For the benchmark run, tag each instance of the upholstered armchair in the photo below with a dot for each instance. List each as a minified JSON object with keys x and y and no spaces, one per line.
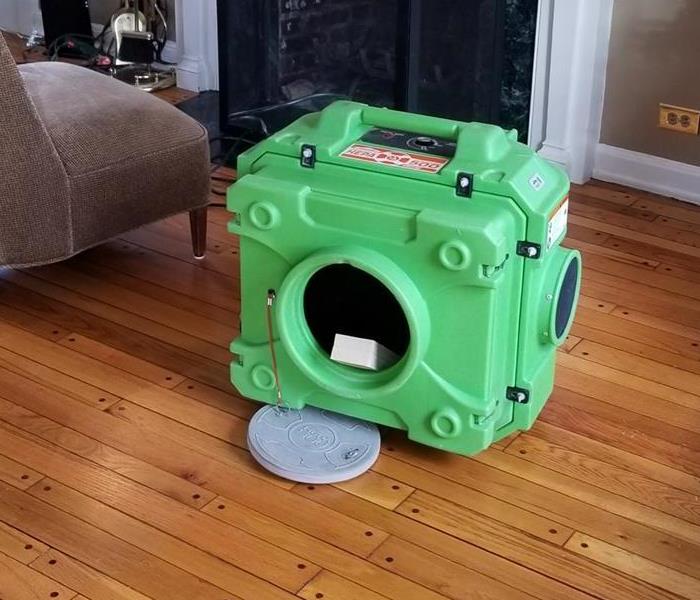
{"x":85,"y":158}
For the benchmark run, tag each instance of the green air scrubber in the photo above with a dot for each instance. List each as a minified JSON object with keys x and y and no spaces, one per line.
{"x":437,"y":239}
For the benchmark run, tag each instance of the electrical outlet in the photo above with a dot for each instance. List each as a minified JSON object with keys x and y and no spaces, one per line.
{"x":677,"y":118}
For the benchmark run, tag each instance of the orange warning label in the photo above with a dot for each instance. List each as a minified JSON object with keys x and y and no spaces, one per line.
{"x":396,"y":158}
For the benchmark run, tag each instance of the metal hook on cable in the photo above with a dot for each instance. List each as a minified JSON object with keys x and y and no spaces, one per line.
{"x":271,"y":295}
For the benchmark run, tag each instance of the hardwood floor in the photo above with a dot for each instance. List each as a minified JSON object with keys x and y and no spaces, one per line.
{"x":124,"y":472}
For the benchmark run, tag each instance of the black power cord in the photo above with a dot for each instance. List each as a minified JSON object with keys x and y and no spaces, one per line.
{"x":220,"y":160}
{"x":84,"y":43}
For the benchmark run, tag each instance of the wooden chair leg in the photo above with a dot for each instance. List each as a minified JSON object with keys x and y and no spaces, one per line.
{"x":198,"y":227}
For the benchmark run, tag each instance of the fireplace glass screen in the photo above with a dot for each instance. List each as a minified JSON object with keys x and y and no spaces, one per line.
{"x":460,"y":59}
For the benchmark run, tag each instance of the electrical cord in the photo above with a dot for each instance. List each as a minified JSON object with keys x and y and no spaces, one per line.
{"x":218,"y":192}
{"x":254,"y":113}
{"x":84,"y":43}
{"x":160,"y":43}
{"x":257,"y":119}
{"x":288,"y":103}
{"x":221,"y":159}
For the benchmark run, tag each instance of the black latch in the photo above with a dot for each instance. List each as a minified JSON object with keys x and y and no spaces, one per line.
{"x":518,"y":395}
{"x":528,"y":249}
{"x":308,"y":156}
{"x":464,"y":184}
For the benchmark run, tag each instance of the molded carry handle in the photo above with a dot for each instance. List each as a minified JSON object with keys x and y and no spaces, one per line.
{"x":420,"y":124}
{"x":343,"y":120}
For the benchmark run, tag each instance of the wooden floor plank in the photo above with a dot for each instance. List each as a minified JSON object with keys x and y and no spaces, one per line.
{"x":330,"y":586}
{"x":131,"y":566}
{"x":585,"y":234}
{"x":378,"y":489}
{"x":16,"y":474}
{"x":647,"y":369}
{"x":162,"y":312}
{"x":662,"y":323}
{"x":578,"y":361}
{"x":634,"y":272}
{"x":19,"y":546}
{"x":588,"y":205}
{"x":193,"y":527}
{"x":628,"y":291}
{"x":90,"y":370}
{"x":489,"y":506}
{"x":228,"y":401}
{"x":679,"y":272}
{"x":134,"y":321}
{"x":653,"y":252}
{"x":680,"y":211}
{"x":629,"y":461}
{"x":230,"y":469}
{"x":461,"y":535}
{"x":468,"y":556}
{"x":623,"y":404}
{"x":201,"y":564}
{"x":613,"y":479}
{"x":595,"y":250}
{"x":19,"y":582}
{"x":625,"y":506}
{"x":56,"y":380}
{"x":622,"y":197}
{"x":117,"y":409}
{"x":635,"y":224}
{"x":178,"y":276}
{"x":122,"y":360}
{"x":616,"y":331}
{"x":432,"y":571}
{"x":643,"y":569}
{"x":225,"y":316}
{"x":604,"y":426}
{"x":118,"y":336}
{"x":595,"y":304}
{"x":328,"y":556}
{"x":32,"y":323}
{"x":603,"y":515}
{"x":650,"y":236}
{"x":81,"y":445}
{"x":83,"y":579}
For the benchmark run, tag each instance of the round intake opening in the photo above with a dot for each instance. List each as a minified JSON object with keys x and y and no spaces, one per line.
{"x":343,"y":299}
{"x":566,"y":299}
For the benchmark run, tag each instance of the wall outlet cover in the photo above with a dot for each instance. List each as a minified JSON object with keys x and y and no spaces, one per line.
{"x":677,"y":118}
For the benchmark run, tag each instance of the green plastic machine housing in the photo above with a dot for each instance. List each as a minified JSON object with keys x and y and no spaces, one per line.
{"x":470,"y":249}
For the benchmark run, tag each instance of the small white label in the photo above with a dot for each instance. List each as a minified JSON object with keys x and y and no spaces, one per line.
{"x":557,"y":223}
{"x":536,"y":182}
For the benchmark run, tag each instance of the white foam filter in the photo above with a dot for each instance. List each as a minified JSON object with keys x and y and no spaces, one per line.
{"x":361,"y":352}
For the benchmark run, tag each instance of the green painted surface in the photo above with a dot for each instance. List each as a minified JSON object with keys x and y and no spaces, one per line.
{"x":480,"y":316}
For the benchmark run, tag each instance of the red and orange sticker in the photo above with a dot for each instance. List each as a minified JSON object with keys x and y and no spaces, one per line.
{"x":395,"y":158}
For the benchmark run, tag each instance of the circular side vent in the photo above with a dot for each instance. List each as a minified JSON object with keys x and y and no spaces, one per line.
{"x":565,"y":299}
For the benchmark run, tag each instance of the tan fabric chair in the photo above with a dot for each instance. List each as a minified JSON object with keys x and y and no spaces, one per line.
{"x":85,"y":158}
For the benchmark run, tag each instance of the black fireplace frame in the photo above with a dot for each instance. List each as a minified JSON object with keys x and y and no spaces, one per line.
{"x":408,"y":53}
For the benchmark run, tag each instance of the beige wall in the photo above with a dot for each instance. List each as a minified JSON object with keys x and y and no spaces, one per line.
{"x":102,"y":10}
{"x":654,"y":57}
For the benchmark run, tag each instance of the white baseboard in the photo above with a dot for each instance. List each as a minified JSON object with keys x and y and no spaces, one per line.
{"x":170,"y":52}
{"x":557,"y":155}
{"x":188,"y":74}
{"x":648,"y":173}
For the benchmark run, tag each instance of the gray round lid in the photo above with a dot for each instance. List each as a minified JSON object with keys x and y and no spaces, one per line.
{"x":312,"y":445}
